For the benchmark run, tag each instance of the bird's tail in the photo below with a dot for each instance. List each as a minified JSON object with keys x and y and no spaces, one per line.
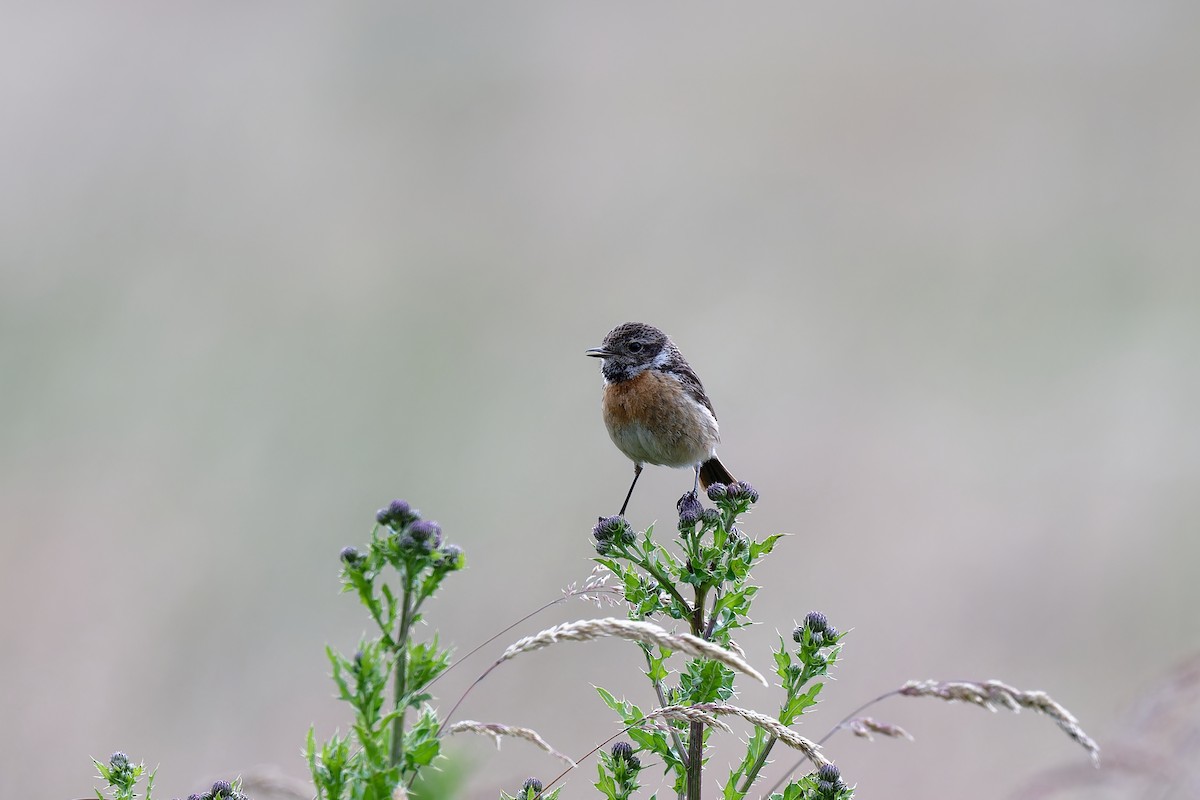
{"x":713,"y":471}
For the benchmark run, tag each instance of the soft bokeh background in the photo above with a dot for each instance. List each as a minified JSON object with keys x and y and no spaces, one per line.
{"x":267,"y":266}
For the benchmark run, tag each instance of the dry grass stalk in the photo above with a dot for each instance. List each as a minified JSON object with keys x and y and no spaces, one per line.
{"x":991,"y":694}
{"x":772,"y":726}
{"x":864,"y":727}
{"x":1154,"y":754}
{"x":498,"y":731}
{"x":647,"y":632}
{"x":737,"y":648}
{"x":686,"y":714}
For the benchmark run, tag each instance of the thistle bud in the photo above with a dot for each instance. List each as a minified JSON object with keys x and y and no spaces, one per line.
{"x":816,"y":621}
{"x":690,"y":510}
{"x":614,"y":530}
{"x":452,"y":557}
{"x":829,"y":772}
{"x":397,"y":514}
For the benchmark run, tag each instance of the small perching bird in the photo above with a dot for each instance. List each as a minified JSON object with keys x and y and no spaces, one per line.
{"x":655,"y":407}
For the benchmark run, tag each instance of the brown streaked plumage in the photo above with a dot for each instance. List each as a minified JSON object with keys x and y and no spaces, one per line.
{"x":655,"y":407}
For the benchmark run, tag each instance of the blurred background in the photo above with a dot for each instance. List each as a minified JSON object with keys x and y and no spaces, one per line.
{"x":268,"y":266}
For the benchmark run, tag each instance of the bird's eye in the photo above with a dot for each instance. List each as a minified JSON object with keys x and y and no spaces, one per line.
{"x":635,"y":347}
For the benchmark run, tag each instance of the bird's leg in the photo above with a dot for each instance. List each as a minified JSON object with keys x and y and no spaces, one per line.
{"x":690,"y":497}
{"x":637,"y":470}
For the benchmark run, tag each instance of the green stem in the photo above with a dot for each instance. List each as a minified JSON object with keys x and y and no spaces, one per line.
{"x":663,"y":582}
{"x":758,"y":765}
{"x":695,"y":762}
{"x":662,"y":701}
{"x":401,"y":704}
{"x":695,"y":759}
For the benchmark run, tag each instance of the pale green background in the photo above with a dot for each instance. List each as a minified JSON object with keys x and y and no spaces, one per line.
{"x":267,"y":266}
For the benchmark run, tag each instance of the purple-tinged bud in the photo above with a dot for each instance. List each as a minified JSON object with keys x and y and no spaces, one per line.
{"x":613,"y":529}
{"x":452,"y":557}
{"x":530,"y":783}
{"x":711,"y":516}
{"x":740,"y":490}
{"x":118,"y":760}
{"x":690,"y":510}
{"x":829,"y":772}
{"x":222,"y":788}
{"x":798,"y":634}
{"x":717,"y":492}
{"x":826,"y":789}
{"x":350,"y":554}
{"x":397,"y":514}
{"x":425,"y":530}
{"x":831,"y":634}
{"x":816,"y":621}
{"x":622,"y":751}
{"x":422,"y":535}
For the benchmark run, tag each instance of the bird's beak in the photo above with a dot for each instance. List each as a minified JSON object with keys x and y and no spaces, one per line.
{"x":598,"y":352}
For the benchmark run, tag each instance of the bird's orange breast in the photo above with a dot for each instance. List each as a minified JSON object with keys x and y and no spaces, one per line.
{"x":649,"y":398}
{"x":652,"y":419}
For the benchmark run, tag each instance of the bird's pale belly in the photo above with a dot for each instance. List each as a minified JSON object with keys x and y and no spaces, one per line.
{"x":653,"y":420}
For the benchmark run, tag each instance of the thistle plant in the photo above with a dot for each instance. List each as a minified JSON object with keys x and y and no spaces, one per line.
{"x":121,"y":777}
{"x":686,"y":598}
{"x":532,"y":789}
{"x":704,"y":583}
{"x":403,"y":566}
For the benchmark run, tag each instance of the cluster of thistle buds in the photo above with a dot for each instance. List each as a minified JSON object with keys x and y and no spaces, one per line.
{"x":829,"y":783}
{"x":612,"y":532}
{"x":814,"y":635}
{"x":732,"y":498}
{"x":221,"y":790}
{"x":120,"y":770}
{"x":414,"y":535}
{"x":820,"y":632}
{"x":623,"y":752}
{"x":733,"y":492}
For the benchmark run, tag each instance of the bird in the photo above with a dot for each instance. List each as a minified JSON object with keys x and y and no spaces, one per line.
{"x":655,"y":407}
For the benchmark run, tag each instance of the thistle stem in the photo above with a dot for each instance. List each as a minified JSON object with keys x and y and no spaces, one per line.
{"x":662,"y":702}
{"x":666,"y":584}
{"x":400,"y":703}
{"x":758,"y":765}
{"x":695,"y":760}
